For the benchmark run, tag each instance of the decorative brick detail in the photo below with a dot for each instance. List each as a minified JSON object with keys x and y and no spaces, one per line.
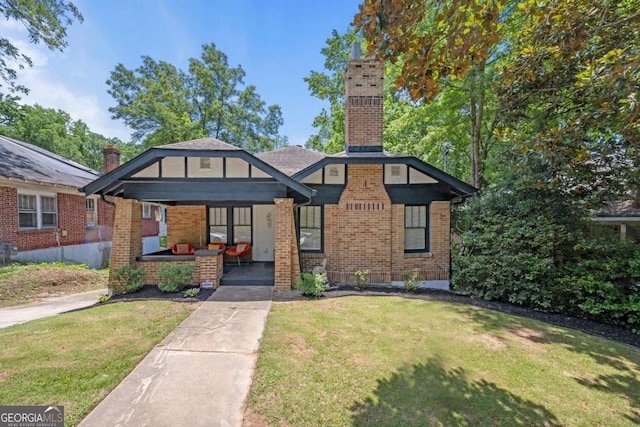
{"x":287,"y":269}
{"x":363,"y":103}
{"x":187,"y":224}
{"x":127,"y":239}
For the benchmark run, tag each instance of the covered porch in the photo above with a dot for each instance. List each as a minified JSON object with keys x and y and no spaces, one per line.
{"x":213,"y":193}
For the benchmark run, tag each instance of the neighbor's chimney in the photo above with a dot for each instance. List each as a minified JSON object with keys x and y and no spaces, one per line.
{"x":363,"y":81}
{"x":110,"y":158}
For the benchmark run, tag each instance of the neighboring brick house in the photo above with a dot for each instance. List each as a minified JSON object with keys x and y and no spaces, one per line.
{"x":41,"y":210}
{"x":360,"y":210}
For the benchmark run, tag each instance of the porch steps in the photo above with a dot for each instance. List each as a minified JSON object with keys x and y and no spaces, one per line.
{"x":251,"y":274}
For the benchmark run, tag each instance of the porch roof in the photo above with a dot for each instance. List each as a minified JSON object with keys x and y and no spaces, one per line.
{"x":456,"y":187}
{"x":190,"y":190}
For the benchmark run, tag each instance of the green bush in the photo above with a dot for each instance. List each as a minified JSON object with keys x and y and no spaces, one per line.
{"x":312,"y":285}
{"x":174,"y":277}
{"x":360,"y":280}
{"x":537,"y":247}
{"x":191,"y":293}
{"x":411,"y":281}
{"x":127,"y":279}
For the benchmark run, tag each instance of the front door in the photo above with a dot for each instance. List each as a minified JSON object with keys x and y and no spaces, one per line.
{"x":264,"y":229}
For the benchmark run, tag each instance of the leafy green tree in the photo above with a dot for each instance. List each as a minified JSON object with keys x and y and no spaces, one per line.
{"x":163,"y":104}
{"x":46,"y":22}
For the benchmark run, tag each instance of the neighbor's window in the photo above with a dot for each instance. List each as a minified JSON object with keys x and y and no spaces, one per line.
{"x":27,"y":211}
{"x":416,"y":230}
{"x":91,"y":212}
{"x":146,"y":210}
{"x":241,"y":225}
{"x":37,"y":211}
{"x":218,"y":225}
{"x":310,"y":228}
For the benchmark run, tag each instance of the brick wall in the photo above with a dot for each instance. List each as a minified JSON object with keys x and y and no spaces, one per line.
{"x":71,"y":219}
{"x":127,"y":240}
{"x":210,"y":268}
{"x":151,"y":268}
{"x":287,"y":269}
{"x":187,"y":224}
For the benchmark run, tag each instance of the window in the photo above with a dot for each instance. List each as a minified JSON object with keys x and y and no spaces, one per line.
{"x":218,"y":225}
{"x":205,"y":163}
{"x":241,"y":225}
{"x":310,"y":228}
{"x":146,"y":210}
{"x":416,"y":230}
{"x":37,"y":211}
{"x":91,"y":212}
{"x":27,"y":211}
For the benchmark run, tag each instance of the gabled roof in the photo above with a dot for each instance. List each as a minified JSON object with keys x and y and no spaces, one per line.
{"x":112,"y":182}
{"x":28,"y":162}
{"x":292,"y":159}
{"x":619,"y":209}
{"x":458,"y":187}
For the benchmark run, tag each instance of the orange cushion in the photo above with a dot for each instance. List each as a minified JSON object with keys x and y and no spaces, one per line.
{"x":213,"y":246}
{"x":182,"y":248}
{"x":241,"y":247}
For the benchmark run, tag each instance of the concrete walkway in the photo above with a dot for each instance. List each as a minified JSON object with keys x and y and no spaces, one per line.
{"x":200,"y":373}
{"x":49,"y":307}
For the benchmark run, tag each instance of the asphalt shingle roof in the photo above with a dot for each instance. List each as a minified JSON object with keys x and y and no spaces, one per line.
{"x":292,"y":159}
{"x":201,"y":144}
{"x":26,"y":161}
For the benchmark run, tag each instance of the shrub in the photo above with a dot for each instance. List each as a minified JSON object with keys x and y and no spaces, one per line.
{"x":411,"y":281}
{"x":191,"y":293}
{"x":174,"y":277}
{"x":312,"y":284}
{"x":103,"y":298}
{"x":127,"y":279}
{"x":360,"y":279}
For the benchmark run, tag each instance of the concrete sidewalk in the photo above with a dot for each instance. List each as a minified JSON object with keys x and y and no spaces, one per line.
{"x":49,"y":307}
{"x":201,"y":372}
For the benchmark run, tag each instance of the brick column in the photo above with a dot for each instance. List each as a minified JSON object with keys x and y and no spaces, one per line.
{"x":285,"y":267}
{"x":441,"y":234}
{"x":127,"y":234}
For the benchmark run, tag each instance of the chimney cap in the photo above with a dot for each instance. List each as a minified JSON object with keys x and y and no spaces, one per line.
{"x":355,"y":51}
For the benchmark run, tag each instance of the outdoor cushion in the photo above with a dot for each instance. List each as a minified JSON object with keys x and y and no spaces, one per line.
{"x":240,"y":247}
{"x":213,"y":246}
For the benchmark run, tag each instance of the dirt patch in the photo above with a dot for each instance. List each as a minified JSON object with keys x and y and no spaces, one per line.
{"x":31,"y":283}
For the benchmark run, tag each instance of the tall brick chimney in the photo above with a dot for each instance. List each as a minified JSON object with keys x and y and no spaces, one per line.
{"x":363,"y":104}
{"x":110,"y":158}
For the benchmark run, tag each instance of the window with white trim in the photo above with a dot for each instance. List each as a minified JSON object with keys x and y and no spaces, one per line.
{"x":416,"y":228}
{"x":37,"y":211}
{"x":91,"y":212}
{"x":310,"y":228}
{"x":146,"y":210}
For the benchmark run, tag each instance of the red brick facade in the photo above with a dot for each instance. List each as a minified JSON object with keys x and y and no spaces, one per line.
{"x":72,"y":223}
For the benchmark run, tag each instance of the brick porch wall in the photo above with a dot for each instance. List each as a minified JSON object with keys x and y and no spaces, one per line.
{"x":287,"y":269}
{"x":187,"y":224}
{"x":151,"y":268}
{"x":127,"y":239}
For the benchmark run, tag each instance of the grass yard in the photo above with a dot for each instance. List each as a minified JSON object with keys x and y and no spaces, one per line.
{"x":366,"y":361}
{"x":75,"y":359}
{"x":26,"y":283}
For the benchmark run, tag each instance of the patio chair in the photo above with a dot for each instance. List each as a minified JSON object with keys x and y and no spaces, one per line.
{"x":183,"y":249}
{"x":238,"y":250}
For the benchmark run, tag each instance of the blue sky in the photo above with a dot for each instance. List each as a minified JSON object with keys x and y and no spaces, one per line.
{"x":277,"y":43}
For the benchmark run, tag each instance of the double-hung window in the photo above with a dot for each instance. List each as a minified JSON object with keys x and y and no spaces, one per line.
{"x":310,"y":228}
{"x":241,"y":225}
{"x":37,"y":211}
{"x":91,"y":212}
{"x":416,"y":228}
{"x":218,"y":225}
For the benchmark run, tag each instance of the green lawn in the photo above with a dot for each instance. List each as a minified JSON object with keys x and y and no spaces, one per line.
{"x":75,"y":359}
{"x":367,"y":361}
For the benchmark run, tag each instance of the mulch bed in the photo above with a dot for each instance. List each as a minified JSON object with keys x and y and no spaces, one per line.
{"x":151,"y":292}
{"x":611,"y":332}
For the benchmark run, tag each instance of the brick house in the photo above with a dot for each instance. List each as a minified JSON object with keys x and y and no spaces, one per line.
{"x":360,"y":210}
{"x":41,"y":210}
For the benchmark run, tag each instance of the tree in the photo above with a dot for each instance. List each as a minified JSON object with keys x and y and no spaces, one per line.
{"x":55,"y":131}
{"x":45,"y":21}
{"x":163,"y":104}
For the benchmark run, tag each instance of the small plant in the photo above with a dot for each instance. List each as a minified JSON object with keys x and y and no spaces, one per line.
{"x":411,"y":281}
{"x":127,"y":279}
{"x":312,"y":284}
{"x":103,"y":298}
{"x":360,"y":279}
{"x":174,"y":277}
{"x":191,"y":293}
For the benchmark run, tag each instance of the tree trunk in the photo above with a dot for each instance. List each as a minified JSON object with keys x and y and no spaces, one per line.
{"x":476,"y":113}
